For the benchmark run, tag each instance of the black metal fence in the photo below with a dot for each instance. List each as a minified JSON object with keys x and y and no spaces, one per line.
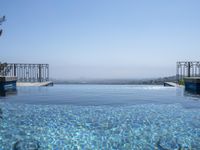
{"x":187,"y":69}
{"x":28,"y":72}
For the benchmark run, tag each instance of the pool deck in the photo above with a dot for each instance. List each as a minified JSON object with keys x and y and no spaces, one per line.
{"x":48,"y":83}
{"x":172,"y":84}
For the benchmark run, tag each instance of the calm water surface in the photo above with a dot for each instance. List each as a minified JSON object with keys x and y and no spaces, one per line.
{"x":99,"y":117}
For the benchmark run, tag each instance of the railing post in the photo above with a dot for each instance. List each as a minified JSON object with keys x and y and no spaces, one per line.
{"x":47,"y":72}
{"x":189,"y":69}
{"x":15,"y":74}
{"x":40,"y":73}
{"x":177,"y":72}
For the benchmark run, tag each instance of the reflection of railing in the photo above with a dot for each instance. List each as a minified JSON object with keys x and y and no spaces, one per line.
{"x":9,"y":92}
{"x":187,"y":69}
{"x":29,"y":72}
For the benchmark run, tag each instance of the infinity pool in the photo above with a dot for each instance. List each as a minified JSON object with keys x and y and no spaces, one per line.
{"x":101,"y":117}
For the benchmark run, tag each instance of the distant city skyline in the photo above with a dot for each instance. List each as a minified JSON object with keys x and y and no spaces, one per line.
{"x":107,"y":39}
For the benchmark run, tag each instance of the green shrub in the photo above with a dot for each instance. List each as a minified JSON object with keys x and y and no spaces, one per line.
{"x":181,"y":82}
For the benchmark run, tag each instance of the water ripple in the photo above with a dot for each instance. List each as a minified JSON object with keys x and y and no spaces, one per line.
{"x":148,"y":126}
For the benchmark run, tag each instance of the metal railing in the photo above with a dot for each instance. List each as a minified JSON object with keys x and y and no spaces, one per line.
{"x":187,"y":69}
{"x":27,"y":72}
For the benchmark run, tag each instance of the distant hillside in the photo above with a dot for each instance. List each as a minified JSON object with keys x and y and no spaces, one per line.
{"x":156,"y":81}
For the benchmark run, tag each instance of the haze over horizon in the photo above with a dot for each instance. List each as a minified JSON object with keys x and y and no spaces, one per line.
{"x":101,"y":39}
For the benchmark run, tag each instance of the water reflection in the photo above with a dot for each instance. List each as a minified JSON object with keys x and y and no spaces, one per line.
{"x":180,"y":91}
{"x":193,"y":95}
{"x":9,"y":92}
{"x":28,"y":144}
{"x":188,"y":94}
{"x":1,"y":113}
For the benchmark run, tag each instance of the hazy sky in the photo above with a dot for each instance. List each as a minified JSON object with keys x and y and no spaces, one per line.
{"x":101,"y":38}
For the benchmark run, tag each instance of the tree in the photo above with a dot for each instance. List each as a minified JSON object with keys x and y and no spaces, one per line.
{"x":2,"y":19}
{"x":3,"y":66}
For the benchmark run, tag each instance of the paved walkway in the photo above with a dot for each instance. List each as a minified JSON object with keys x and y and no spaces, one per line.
{"x":49,"y":83}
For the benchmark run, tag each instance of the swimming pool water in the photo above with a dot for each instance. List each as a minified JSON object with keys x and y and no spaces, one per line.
{"x":100,"y":117}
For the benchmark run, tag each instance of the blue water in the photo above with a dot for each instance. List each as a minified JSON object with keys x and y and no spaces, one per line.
{"x":98,"y":117}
